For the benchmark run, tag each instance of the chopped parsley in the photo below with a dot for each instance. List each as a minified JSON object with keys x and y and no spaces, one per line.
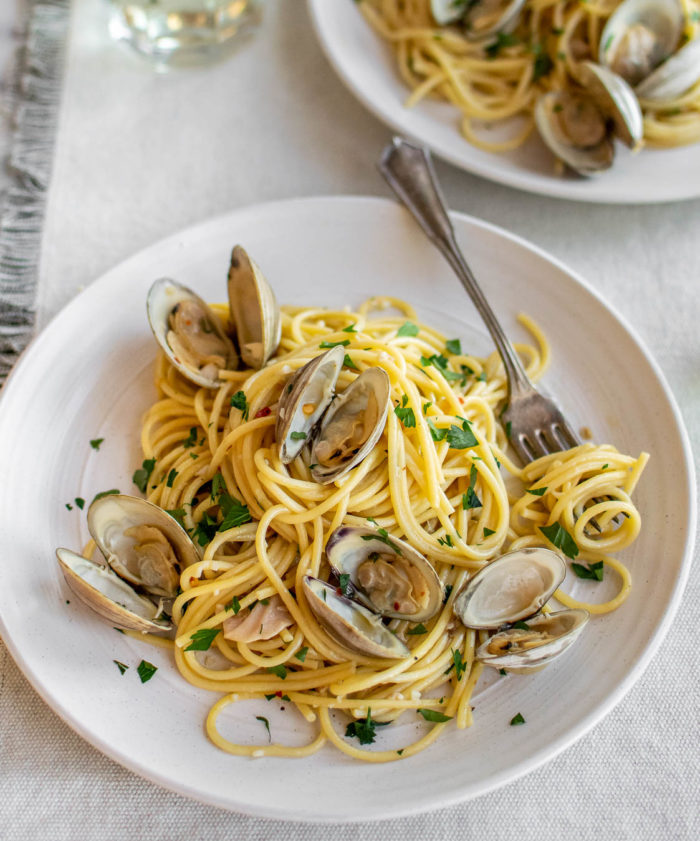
{"x":448,"y":592}
{"x":177,"y":514}
{"x":502,"y":672}
{"x":446,"y":541}
{"x":560,"y":538}
{"x":69,"y":506}
{"x":301,"y":654}
{"x":218,"y":485}
{"x":435,"y":433}
{"x":417,"y":630}
{"x":191,"y":439}
{"x":205,"y":530}
{"x":383,"y":536}
{"x":100,"y":495}
{"x":349,"y":363}
{"x":238,"y":401}
{"x":364,"y":729}
{"x":344,"y":579}
{"x":488,"y":532}
{"x":470,"y":499}
{"x":460,"y":665}
{"x":202,"y":639}
{"x":146,"y":670}
{"x":80,"y":502}
{"x":520,"y":625}
{"x":95,"y":444}
{"x":280,"y":671}
{"x":344,"y":343}
{"x":171,"y":478}
{"x":461,"y":438}
{"x":121,"y":666}
{"x":235,"y":605}
{"x":349,"y":329}
{"x":298,"y":436}
{"x":537,"y":491}
{"x":517,"y":719}
{"x":437,"y":360}
{"x":405,"y":413}
{"x":454,"y":347}
{"x":433,"y":715}
{"x":592,"y":571}
{"x":266,"y":723}
{"x":503,"y":39}
{"x":407,"y":329}
{"x":235,"y":513}
{"x":543,"y":65}
{"x":143,"y":474}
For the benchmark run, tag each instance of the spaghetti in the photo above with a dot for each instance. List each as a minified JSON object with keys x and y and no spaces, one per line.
{"x":263,"y":525}
{"x":499,"y":79}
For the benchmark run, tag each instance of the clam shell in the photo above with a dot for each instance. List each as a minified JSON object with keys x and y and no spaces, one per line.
{"x":163,"y":296}
{"x":563,"y":627}
{"x":674,"y":77}
{"x":348,"y":547}
{"x":445,"y":11}
{"x":506,"y":21}
{"x":103,"y":591}
{"x":373,"y":381}
{"x":513,"y":587}
{"x":254,"y":310}
{"x":586,"y":161}
{"x":351,"y":624}
{"x":314,"y":384}
{"x":110,"y":516}
{"x":616,"y":99}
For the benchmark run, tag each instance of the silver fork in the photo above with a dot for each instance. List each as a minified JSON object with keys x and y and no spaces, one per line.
{"x":534,"y":424}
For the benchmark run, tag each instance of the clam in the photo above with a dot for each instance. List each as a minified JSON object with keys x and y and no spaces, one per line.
{"x":642,"y":42}
{"x":254,"y":310}
{"x":304,"y":399}
{"x":142,"y":543}
{"x":528,"y":649}
{"x":387,"y":575}
{"x":351,"y":427}
{"x":103,"y":591}
{"x":480,"y":19}
{"x":350,"y":624}
{"x":190,"y":333}
{"x":580,"y":126}
{"x":512,"y":588}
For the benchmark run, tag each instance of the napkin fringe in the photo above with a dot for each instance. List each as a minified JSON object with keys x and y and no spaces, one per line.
{"x":35,"y":94}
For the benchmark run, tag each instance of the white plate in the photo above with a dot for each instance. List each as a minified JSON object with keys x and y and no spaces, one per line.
{"x":367,"y":66}
{"x":88,"y":375}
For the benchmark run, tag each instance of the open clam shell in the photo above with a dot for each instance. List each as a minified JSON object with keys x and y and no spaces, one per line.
{"x":513,"y":587}
{"x":674,"y":77}
{"x":387,"y":574}
{"x":351,"y":427}
{"x":528,"y":649}
{"x":349,"y":623}
{"x":616,"y":100}
{"x":103,"y":591}
{"x":189,"y":332}
{"x":254,"y":310}
{"x":303,"y":401}
{"x":142,"y":543}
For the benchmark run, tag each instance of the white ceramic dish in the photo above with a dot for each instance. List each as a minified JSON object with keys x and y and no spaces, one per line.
{"x":367,"y":66}
{"x":88,"y":375}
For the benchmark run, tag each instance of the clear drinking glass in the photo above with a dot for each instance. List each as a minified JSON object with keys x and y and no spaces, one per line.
{"x":183,"y":31}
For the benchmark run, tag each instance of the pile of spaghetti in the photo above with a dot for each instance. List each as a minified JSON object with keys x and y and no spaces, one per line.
{"x":500,"y":79}
{"x":263,"y":525}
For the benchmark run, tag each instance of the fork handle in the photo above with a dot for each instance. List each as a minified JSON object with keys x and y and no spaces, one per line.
{"x":408,"y":170}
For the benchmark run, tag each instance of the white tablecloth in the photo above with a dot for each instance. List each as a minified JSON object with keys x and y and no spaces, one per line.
{"x":139,"y":156}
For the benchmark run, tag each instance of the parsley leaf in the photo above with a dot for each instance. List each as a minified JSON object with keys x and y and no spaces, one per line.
{"x":202,"y":639}
{"x":235,"y":605}
{"x":503,"y":39}
{"x":433,"y":715}
{"x":470,"y":499}
{"x":364,"y":729}
{"x":488,"y":532}
{"x":218,"y":485}
{"x":205,"y":530}
{"x":121,"y":666}
{"x":191,"y":439}
{"x":461,"y":438}
{"x":349,"y":363}
{"x":146,"y":670}
{"x":592,"y":571}
{"x":407,"y":329}
{"x":344,"y":343}
{"x":522,"y":626}
{"x":543,"y":63}
{"x":560,"y":538}
{"x":536,"y":491}
{"x":143,"y":474}
{"x":298,"y":436}
{"x":344,"y":579}
{"x":177,"y":514}
{"x":405,"y":413}
{"x":435,"y":433}
{"x":349,"y":329}
{"x":95,"y":444}
{"x":239,"y":401}
{"x":460,"y":665}
{"x":383,"y":536}
{"x":266,"y":723}
{"x":301,"y":654}
{"x":171,"y":478}
{"x":235,"y":513}
{"x":100,"y":495}
{"x":417,"y":630}
{"x":438,"y":361}
{"x":454,"y":347}
{"x":517,"y":719}
{"x":80,"y":502}
{"x":280,"y":671}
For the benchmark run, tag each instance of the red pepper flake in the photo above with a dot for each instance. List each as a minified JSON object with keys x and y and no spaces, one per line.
{"x":396,"y":605}
{"x":278,"y":693}
{"x":264,"y":412}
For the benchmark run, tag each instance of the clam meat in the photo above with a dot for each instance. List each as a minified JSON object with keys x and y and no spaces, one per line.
{"x":387,"y":575}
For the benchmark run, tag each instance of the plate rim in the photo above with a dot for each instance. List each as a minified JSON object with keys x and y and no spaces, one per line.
{"x":512,"y":773}
{"x":550,"y":187}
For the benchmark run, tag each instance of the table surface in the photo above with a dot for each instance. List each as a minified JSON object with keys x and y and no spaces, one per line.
{"x":140,"y":155}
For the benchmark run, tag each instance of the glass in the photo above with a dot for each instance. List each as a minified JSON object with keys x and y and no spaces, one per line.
{"x":183,"y":31}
